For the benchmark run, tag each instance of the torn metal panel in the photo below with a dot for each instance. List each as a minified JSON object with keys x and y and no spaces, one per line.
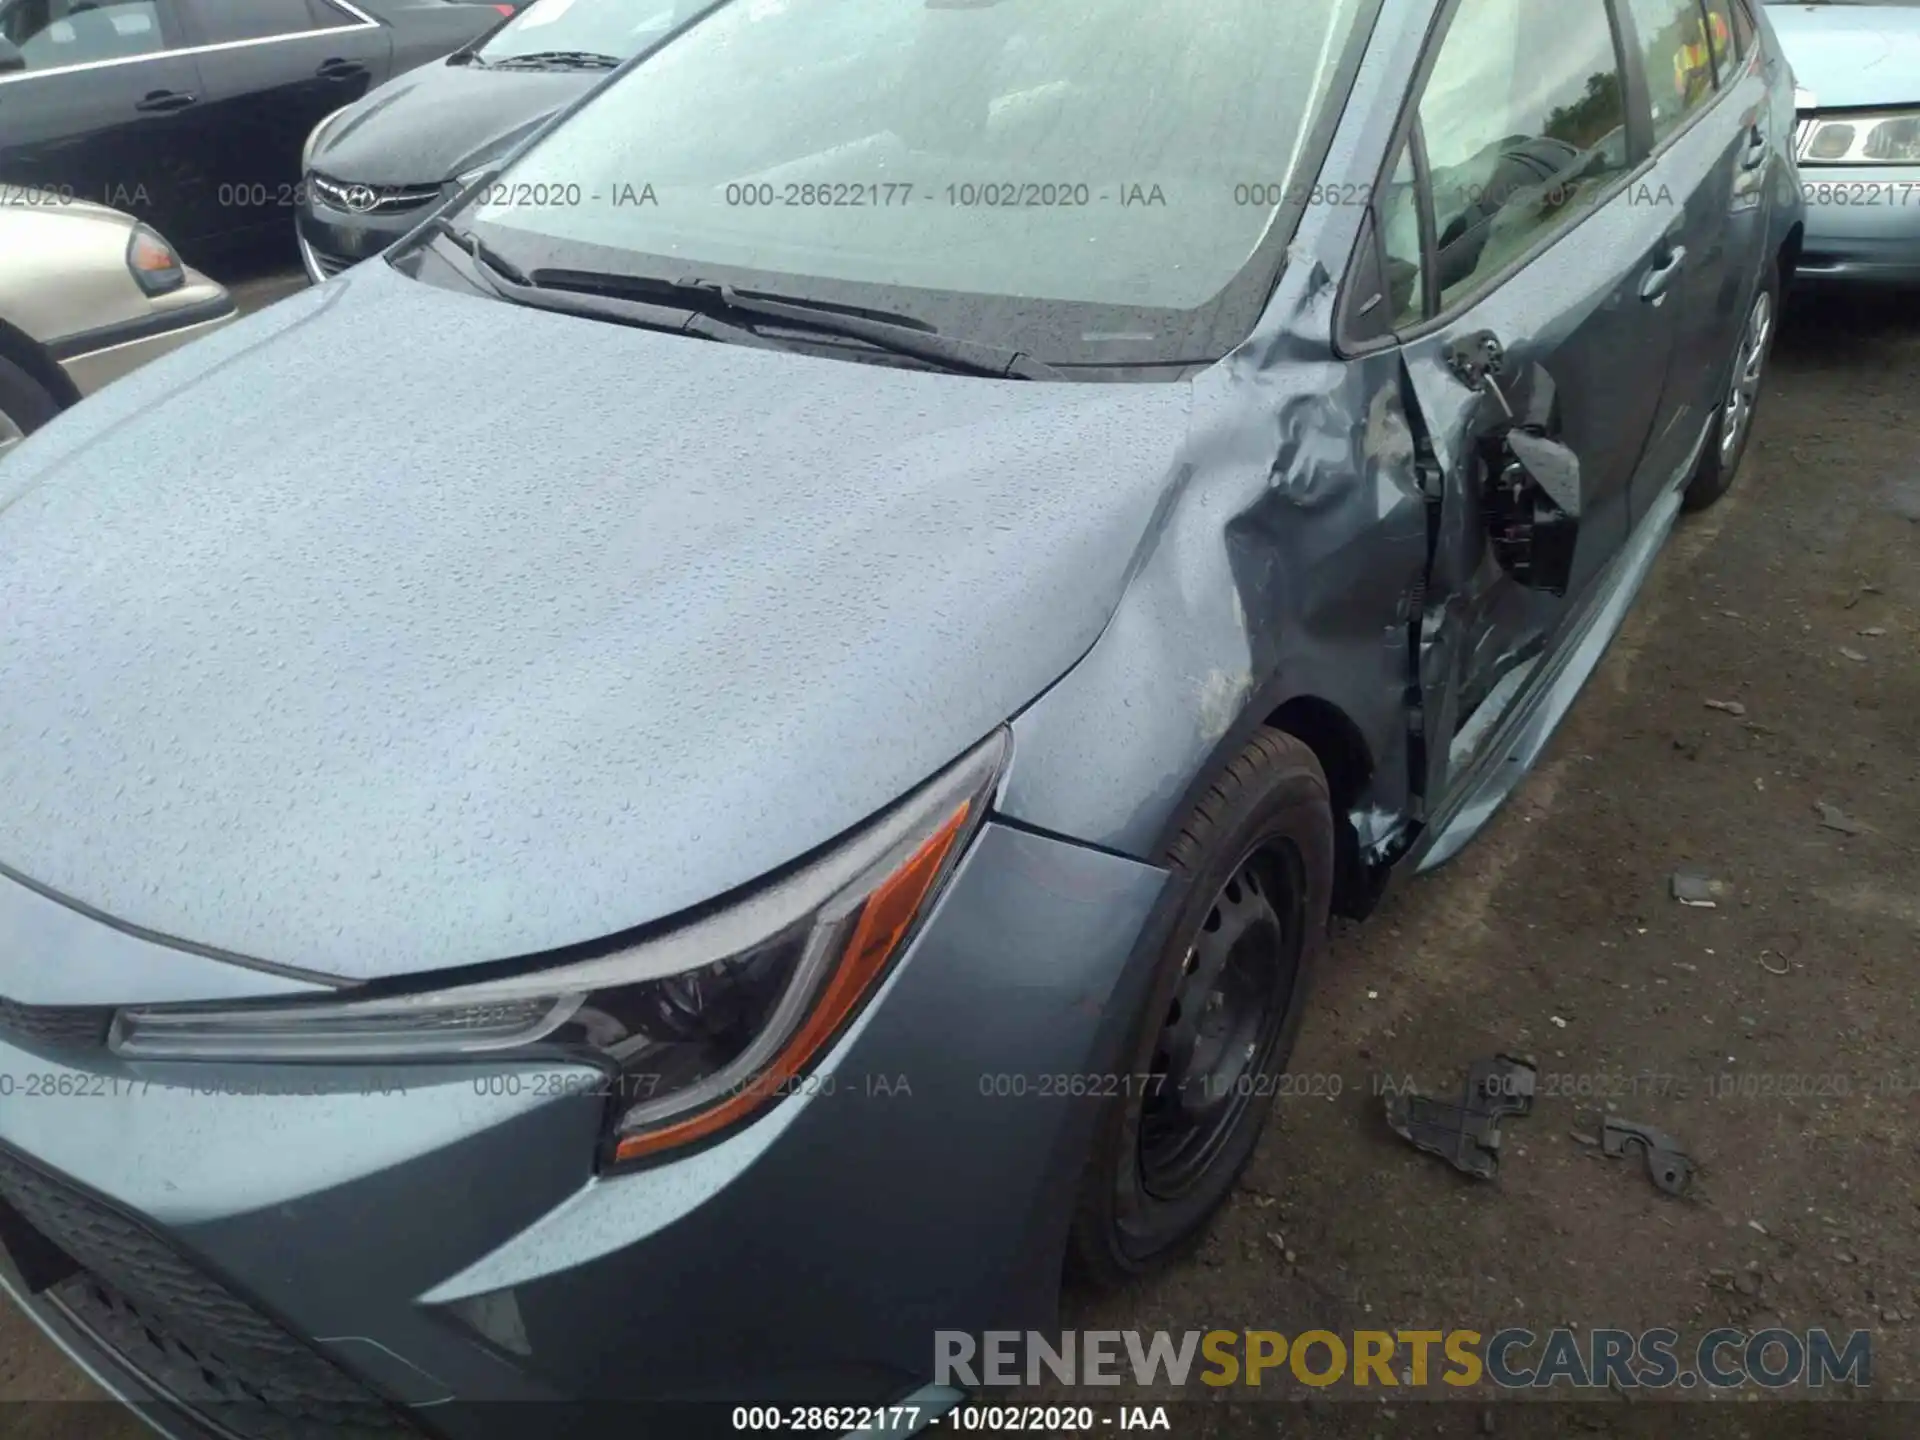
{"x":1287,"y":571}
{"x":1289,"y":567}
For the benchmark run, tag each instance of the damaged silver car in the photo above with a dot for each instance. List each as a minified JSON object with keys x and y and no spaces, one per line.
{"x":744,"y":746}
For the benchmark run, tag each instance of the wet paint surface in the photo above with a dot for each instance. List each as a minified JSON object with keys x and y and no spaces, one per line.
{"x":406,"y":664}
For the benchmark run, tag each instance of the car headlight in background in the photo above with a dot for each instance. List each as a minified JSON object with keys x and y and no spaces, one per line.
{"x":153,"y":263}
{"x":703,"y":1025}
{"x":315,"y":135}
{"x":1865,"y":137}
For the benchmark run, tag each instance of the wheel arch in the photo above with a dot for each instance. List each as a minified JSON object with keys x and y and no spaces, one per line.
{"x":1788,"y":255}
{"x":19,"y":347}
{"x":1346,"y":759}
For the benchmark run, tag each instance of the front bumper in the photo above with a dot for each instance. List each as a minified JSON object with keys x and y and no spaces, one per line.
{"x":1863,"y":224}
{"x":314,"y":1249}
{"x":333,"y":239}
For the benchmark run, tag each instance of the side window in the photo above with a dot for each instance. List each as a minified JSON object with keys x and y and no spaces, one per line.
{"x":1674,"y":42}
{"x":1385,"y":286}
{"x":1525,"y":122}
{"x":1721,"y":33}
{"x":222,"y":21}
{"x":1400,"y":244}
{"x":1745,"y":38}
{"x":53,"y":33}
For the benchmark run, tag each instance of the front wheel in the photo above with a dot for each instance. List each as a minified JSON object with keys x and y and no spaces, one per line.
{"x":1733,"y":427}
{"x":1212,"y":1044}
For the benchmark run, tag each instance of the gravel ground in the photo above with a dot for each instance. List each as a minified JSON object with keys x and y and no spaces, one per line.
{"x":1772,"y":1034}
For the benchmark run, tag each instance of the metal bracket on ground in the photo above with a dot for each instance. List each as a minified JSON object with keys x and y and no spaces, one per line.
{"x":1466,"y":1134}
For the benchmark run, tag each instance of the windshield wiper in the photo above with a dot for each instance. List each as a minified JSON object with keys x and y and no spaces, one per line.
{"x":556,"y":60}
{"x":500,"y":278}
{"x":895,"y":334}
{"x":474,"y":248}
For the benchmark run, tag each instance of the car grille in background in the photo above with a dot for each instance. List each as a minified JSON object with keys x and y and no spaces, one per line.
{"x":183,"y":1332}
{"x":360,"y":199}
{"x":59,"y":1027}
{"x":328,"y":265}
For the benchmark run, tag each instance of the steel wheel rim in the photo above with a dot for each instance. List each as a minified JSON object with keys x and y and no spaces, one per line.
{"x":1748,"y":364}
{"x":1227,"y":1012}
{"x":10,"y":433}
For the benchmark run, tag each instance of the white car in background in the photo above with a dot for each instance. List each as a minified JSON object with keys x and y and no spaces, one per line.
{"x":87,"y":293}
{"x":1856,"y":64}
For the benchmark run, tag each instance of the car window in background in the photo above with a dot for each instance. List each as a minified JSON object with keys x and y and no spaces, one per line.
{"x":611,"y":28}
{"x":1679,"y":59}
{"x":1113,"y":152}
{"x":226,"y":20}
{"x":1524,"y":123}
{"x":52,"y":33}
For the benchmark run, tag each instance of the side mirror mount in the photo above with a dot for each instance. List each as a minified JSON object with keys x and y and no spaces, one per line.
{"x":11,"y":60}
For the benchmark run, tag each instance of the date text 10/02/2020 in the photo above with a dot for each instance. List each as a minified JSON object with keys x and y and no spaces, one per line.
{"x":967,"y":1418}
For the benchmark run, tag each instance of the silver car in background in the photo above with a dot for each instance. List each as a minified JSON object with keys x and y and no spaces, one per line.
{"x":87,"y":293}
{"x":1857,"y":68}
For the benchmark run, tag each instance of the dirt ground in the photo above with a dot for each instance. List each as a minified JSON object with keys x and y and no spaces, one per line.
{"x":1555,"y":937}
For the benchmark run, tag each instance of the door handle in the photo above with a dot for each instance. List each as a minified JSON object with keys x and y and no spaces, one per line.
{"x":163,"y":102}
{"x":1756,"y":152}
{"x":1654,"y":286}
{"x":341,"y":70}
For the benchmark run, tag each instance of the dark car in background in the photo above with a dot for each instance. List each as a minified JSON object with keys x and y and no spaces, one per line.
{"x":190,"y":114}
{"x":374,"y":166}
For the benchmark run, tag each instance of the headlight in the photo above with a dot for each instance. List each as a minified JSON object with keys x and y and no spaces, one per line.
{"x":703,"y":1025}
{"x":153,"y":263}
{"x":1887,"y":137}
{"x":314,"y":137}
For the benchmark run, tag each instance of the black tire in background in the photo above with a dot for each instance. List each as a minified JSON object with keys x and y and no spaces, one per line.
{"x":25,"y":405}
{"x":1257,"y":855}
{"x":1720,"y":461}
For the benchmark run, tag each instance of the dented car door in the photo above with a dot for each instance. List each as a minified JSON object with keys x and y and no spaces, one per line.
{"x":1527,"y":285}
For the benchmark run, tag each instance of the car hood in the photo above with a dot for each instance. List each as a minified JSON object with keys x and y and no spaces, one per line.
{"x":1850,"y":55}
{"x":334,"y":643}
{"x":440,"y":120}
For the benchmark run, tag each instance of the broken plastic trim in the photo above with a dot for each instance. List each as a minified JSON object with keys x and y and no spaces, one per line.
{"x":1467,"y":1134}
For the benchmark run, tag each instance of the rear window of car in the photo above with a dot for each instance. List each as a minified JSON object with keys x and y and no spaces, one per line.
{"x":223,"y":21}
{"x":57,"y":33}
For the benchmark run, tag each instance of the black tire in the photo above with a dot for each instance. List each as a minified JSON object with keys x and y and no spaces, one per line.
{"x":25,"y":404}
{"x":1719,"y":462}
{"x":1268,"y":815}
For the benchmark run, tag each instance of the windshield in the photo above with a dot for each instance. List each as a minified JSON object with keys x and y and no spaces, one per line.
{"x":1113,"y":155}
{"x":615,"y":28}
